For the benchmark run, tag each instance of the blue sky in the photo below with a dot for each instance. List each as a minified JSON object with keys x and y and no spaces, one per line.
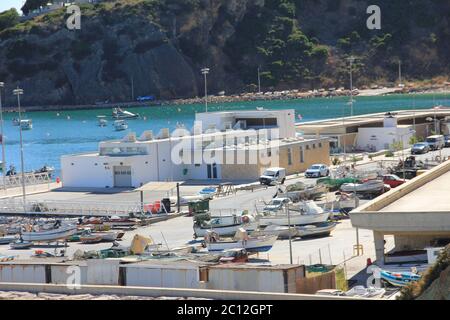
{"x":8,"y":4}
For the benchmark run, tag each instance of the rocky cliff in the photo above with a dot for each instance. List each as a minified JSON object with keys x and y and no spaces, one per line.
{"x":157,"y":47}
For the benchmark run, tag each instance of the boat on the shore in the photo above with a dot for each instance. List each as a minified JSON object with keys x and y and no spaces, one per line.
{"x":120,"y":125}
{"x":301,"y":213}
{"x":240,"y":240}
{"x":118,"y":113}
{"x":225,"y":225}
{"x":21,"y":244}
{"x":399,"y":279}
{"x":282,"y":232}
{"x":7,"y":240}
{"x":370,"y":186}
{"x":90,"y":239}
{"x":57,"y":233}
{"x":315,"y":230}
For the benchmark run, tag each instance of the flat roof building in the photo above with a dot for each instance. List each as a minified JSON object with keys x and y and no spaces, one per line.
{"x":230,"y":146}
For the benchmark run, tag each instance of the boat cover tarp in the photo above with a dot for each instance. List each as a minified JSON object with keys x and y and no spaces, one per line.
{"x":139,"y":244}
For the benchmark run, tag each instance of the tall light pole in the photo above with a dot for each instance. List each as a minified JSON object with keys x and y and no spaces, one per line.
{"x":205,"y":72}
{"x":289,"y":231}
{"x":2,"y":85}
{"x":400,"y":73}
{"x":351,"y":60}
{"x":18,"y":92}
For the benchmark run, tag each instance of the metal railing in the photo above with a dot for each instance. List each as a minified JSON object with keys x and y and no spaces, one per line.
{"x":30,"y":179}
{"x":13,"y":206}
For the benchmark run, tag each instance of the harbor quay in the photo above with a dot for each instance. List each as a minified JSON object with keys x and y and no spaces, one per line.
{"x":297,"y":222}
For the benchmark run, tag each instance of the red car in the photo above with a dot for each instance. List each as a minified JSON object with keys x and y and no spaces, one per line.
{"x":393,"y":180}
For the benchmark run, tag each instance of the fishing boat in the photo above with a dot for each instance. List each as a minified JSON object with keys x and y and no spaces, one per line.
{"x":225,"y":225}
{"x":120,"y":125}
{"x":90,"y":239}
{"x":315,"y":230}
{"x":240,"y":240}
{"x":370,"y":186}
{"x":107,"y":236}
{"x":26,"y":124}
{"x":399,"y":279}
{"x":301,"y":213}
{"x":117,"y":222}
{"x":118,"y":113}
{"x":58,"y":233}
{"x":300,"y":191}
{"x":21,"y":244}
{"x":282,"y":232}
{"x":102,"y":121}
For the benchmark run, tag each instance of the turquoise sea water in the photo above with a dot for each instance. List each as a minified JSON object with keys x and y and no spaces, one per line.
{"x":53,"y":135}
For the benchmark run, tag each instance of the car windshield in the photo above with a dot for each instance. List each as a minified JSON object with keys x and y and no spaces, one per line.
{"x":431,"y":140}
{"x":315,"y":167}
{"x":420,"y":145}
{"x":269,"y":173}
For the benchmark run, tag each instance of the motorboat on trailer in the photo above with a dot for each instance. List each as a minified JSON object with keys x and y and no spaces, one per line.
{"x":300,"y":213}
{"x":119,"y":113}
{"x":240,"y":240}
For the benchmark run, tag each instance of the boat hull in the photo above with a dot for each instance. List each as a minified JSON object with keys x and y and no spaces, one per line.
{"x":224,"y":230}
{"x":251,"y":245}
{"x":295,"y":219}
{"x":314,"y":231}
{"x":57,"y":234}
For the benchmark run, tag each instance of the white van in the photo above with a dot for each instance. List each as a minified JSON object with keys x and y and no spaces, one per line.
{"x":436,"y":142}
{"x":272,"y":175}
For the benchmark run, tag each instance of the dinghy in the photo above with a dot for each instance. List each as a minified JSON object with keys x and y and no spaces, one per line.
{"x":58,"y":233}
{"x":399,"y":279}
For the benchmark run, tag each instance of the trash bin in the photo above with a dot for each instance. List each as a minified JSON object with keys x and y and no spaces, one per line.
{"x":165,"y":203}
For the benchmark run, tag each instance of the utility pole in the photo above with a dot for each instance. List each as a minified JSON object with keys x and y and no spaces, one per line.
{"x":351,"y":60}
{"x":205,"y":72}
{"x":289,"y":231}
{"x":400,"y":73}
{"x":2,"y":85}
{"x":18,"y":92}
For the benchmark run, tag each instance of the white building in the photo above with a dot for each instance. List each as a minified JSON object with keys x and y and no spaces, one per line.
{"x":231,"y":146}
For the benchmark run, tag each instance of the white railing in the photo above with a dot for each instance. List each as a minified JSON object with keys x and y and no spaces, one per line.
{"x":30,"y":179}
{"x":64,"y":208}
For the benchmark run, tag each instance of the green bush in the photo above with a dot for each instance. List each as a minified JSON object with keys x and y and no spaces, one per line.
{"x":8,"y":19}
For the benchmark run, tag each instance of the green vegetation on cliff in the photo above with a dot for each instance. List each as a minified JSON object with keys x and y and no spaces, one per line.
{"x":162,"y":44}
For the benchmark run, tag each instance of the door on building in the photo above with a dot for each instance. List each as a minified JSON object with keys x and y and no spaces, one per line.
{"x":212,"y":171}
{"x":122,"y":177}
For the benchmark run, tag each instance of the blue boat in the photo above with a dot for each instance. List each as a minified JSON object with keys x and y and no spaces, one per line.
{"x":399,"y":279}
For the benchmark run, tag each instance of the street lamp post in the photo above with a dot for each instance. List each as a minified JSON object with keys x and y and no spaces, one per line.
{"x":2,"y":85}
{"x":259,"y":82}
{"x":18,"y":92}
{"x":205,"y":72}
{"x":289,"y":231}
{"x":351,"y":60}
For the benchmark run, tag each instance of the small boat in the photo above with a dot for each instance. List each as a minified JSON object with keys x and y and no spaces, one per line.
{"x":370,"y":186}
{"x":90,"y":239}
{"x":58,"y":233}
{"x":21,"y":244}
{"x":15,"y":122}
{"x":26,"y":124}
{"x":399,"y":279}
{"x":315,"y":230}
{"x":240,"y":240}
{"x":282,"y":232}
{"x":102,"y":121}
{"x":120,"y":125}
{"x":301,"y":213}
{"x":7,"y":240}
{"x":106,"y":236}
{"x":225,"y":225}
{"x":118,"y":113}
{"x":234,"y":256}
{"x":117,"y":222}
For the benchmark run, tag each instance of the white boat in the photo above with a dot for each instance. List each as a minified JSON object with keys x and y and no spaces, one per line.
{"x":320,"y":229}
{"x":282,"y":232}
{"x":26,"y":124}
{"x":120,"y":125}
{"x":102,"y":121}
{"x":7,"y":240}
{"x":226,"y":225}
{"x":59,"y":233}
{"x":365,"y":187}
{"x":15,"y":122}
{"x":21,"y":244}
{"x":118,"y":113}
{"x":301,"y":213}
{"x":240,"y":240}
{"x":106,"y":236}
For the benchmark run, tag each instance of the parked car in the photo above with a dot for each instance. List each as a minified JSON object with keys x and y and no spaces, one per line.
{"x":145,"y":98}
{"x":317,"y":171}
{"x":273,"y":175}
{"x":436,"y":142}
{"x":447,"y":140}
{"x":420,"y":148}
{"x":393,"y":180}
